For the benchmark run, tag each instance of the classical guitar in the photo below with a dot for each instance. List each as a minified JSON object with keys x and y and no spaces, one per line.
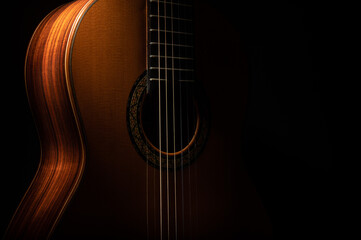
{"x":139,"y":107}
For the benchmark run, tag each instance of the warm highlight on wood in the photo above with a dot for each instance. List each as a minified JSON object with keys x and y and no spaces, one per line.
{"x":82,"y":64}
{"x":62,"y":145}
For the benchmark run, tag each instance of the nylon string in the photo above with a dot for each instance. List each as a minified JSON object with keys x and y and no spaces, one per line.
{"x":160,"y":132}
{"x":174,"y":133}
{"x":181,"y":130}
{"x":166,"y":110}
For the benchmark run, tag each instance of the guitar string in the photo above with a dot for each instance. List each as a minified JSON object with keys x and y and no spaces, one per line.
{"x":160,"y":131}
{"x":181,"y":127}
{"x":174,"y":133}
{"x":188,"y":95}
{"x":166,"y":111}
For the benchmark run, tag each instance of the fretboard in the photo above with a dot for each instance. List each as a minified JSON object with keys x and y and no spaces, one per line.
{"x":170,"y":40}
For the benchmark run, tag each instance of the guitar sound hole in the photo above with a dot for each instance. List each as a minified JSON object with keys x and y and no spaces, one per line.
{"x":178,"y":117}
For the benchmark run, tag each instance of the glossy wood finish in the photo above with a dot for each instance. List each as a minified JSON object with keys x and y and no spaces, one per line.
{"x":119,"y":194}
{"x":109,"y":54}
{"x":62,"y":147}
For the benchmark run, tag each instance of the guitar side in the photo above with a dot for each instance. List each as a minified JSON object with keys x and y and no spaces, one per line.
{"x":54,"y":109}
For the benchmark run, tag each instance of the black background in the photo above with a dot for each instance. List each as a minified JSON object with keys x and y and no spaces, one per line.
{"x":295,"y":56}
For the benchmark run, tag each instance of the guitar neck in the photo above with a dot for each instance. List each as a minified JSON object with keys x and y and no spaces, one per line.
{"x":170,"y":41}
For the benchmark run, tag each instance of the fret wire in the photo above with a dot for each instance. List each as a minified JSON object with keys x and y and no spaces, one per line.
{"x":168,"y":31}
{"x":179,"y":4}
{"x":175,"y":69}
{"x":169,"y":44}
{"x":173,"y":18}
{"x":181,"y":58}
{"x":183,"y":44}
{"x":162,"y":79}
{"x":170,"y":11}
{"x":178,"y":52}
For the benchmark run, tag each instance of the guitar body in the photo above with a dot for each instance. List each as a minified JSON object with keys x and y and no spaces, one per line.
{"x":84,"y":61}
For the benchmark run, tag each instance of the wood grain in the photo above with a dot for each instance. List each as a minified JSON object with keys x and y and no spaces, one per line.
{"x":62,"y":146}
{"x":79,"y":81}
{"x":119,"y":196}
